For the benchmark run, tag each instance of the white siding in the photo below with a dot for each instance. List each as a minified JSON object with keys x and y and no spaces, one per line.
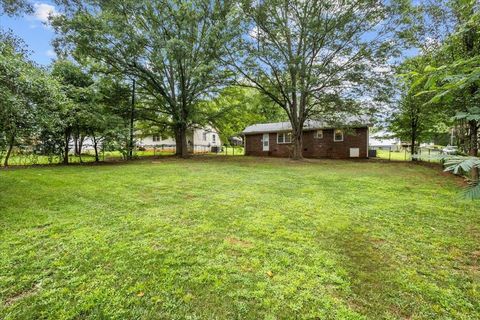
{"x":148,"y":141}
{"x":194,"y":138}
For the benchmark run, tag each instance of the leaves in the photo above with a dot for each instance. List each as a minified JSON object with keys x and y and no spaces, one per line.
{"x":172,"y":49}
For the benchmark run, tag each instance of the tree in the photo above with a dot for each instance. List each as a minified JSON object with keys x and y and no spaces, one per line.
{"x":170,"y":47}
{"x":316,"y":58}
{"x":414,"y":119}
{"x":77,"y":87}
{"x":456,"y":80}
{"x":15,"y":7}
{"x":111,"y":125}
{"x":24,"y":90}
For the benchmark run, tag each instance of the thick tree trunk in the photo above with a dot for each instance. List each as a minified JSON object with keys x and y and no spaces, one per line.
{"x":75,"y":144}
{"x":66,"y":147}
{"x":9,"y":151}
{"x":297,"y":144}
{"x":181,"y":141}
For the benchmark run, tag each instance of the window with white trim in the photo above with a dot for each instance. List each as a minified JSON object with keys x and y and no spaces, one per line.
{"x":319,"y":134}
{"x":284,"y":137}
{"x":337,"y":135}
{"x":214,"y":137}
{"x":157,"y":138}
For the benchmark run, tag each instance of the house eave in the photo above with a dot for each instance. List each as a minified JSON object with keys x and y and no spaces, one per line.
{"x":306,"y":129}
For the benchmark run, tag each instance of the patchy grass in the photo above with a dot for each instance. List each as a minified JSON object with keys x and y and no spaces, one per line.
{"x":224,"y":237}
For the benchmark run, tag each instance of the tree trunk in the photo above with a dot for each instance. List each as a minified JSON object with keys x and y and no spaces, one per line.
{"x":66,"y":147}
{"x":81,"y":139}
{"x":412,"y":146}
{"x":9,"y":151}
{"x":75,"y":144}
{"x":297,"y":143}
{"x":132,"y":119}
{"x":473,"y":146}
{"x":95,"y":146}
{"x":181,"y":141}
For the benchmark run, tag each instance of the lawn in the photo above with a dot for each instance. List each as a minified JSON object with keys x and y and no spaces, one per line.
{"x":405,"y":155}
{"x":237,"y":238}
{"x":32,"y":159}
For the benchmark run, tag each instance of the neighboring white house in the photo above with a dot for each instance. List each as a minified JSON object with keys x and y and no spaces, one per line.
{"x":383,"y":140}
{"x":198,"y":140}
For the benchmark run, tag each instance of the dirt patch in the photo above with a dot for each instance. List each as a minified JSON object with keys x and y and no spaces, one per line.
{"x":22,"y":295}
{"x":239,"y":242}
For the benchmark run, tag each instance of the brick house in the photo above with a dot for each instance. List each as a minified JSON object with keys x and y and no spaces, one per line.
{"x":319,"y":140}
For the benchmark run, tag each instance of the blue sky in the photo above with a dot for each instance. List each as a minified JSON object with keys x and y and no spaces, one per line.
{"x":33,"y":31}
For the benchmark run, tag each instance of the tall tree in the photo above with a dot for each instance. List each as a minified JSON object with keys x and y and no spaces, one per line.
{"x":24,"y":90}
{"x":415,"y":120}
{"x":77,"y":86}
{"x":456,"y":79}
{"x":316,"y":58}
{"x":171,"y":47}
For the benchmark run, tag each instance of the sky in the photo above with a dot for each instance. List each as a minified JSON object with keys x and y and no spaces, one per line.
{"x":34,"y":31}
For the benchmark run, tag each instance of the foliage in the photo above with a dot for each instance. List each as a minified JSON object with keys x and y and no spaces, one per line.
{"x":449,"y":79}
{"x":15,"y":7}
{"x":170,"y":47}
{"x":414,"y":120}
{"x":26,"y":92}
{"x":462,"y":165}
{"x":317,"y":58}
{"x":236,"y":108}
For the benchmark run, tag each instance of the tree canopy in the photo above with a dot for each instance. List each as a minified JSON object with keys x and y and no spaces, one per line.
{"x":171,"y":48}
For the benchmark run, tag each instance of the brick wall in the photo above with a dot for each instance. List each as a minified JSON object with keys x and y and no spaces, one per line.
{"x":312,"y":147}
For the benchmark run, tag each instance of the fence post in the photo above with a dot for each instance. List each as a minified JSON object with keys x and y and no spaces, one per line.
{"x":405,"y":154}
{"x":389,"y":153}
{"x":429,"y":154}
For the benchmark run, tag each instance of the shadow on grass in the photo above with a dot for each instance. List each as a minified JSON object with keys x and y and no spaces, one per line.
{"x":371,"y":272}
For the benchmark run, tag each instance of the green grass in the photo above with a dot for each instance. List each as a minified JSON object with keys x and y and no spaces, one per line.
{"x":31,"y":159}
{"x":425,"y":155}
{"x":237,"y":238}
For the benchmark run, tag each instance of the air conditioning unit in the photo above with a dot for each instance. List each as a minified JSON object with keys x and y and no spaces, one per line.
{"x":354,"y":152}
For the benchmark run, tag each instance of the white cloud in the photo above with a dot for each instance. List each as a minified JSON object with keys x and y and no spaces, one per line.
{"x":50,"y":53}
{"x":42,"y":11}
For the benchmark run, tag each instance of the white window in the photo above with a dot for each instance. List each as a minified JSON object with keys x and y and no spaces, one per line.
{"x":213,"y":137}
{"x":319,"y":134}
{"x":338,"y":135}
{"x":204,"y":136}
{"x":284,"y":137}
{"x":157,"y":138}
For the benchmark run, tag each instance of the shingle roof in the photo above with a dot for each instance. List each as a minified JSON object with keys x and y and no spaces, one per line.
{"x":308,"y":125}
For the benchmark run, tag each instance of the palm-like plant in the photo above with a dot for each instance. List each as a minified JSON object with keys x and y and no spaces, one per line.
{"x":461,"y":164}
